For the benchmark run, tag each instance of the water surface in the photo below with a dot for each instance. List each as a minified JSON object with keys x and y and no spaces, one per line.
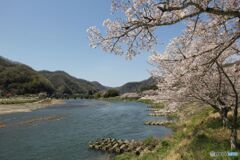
{"x":67,"y":138}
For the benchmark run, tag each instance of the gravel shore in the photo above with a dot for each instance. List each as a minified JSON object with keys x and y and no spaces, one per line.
{"x":28,"y":107}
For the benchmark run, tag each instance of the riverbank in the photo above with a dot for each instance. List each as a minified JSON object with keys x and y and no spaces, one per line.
{"x":197,"y":132}
{"x":29,"y":106}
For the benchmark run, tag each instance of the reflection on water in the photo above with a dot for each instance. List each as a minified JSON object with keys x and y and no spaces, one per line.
{"x":62,"y":132}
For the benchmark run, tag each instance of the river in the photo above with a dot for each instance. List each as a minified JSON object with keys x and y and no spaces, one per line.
{"x":30,"y":136}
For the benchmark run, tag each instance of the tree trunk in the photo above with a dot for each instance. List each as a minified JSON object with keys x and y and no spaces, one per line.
{"x":233,"y":138}
{"x":223,"y":114}
{"x":234,"y":126}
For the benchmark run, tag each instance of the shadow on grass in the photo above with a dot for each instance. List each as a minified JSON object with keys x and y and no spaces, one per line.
{"x":214,"y":123}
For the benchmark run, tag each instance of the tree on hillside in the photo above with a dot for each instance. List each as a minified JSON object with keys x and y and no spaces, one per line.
{"x":209,"y":42}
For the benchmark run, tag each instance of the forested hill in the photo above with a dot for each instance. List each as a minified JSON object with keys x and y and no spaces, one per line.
{"x":147,"y":84}
{"x":19,"y":79}
{"x":65,"y":83}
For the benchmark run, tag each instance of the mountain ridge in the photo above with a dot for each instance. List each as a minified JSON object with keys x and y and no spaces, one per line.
{"x":18,"y":78}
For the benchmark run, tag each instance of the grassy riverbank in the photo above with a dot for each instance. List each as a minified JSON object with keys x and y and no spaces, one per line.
{"x":197,"y":131}
{"x":19,"y":100}
{"x":153,"y":104}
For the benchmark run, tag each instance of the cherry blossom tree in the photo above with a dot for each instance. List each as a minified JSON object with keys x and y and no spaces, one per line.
{"x":181,"y":80}
{"x":203,"y":67}
{"x":201,"y":64}
{"x":136,"y":30}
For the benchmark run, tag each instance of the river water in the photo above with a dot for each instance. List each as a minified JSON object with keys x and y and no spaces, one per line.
{"x":30,"y":136}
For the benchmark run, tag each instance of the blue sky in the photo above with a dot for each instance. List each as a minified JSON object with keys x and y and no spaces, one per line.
{"x":51,"y":35}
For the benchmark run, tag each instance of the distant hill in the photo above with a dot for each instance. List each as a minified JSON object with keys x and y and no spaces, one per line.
{"x":147,"y":84}
{"x":17,"y":78}
{"x":67,"y":84}
{"x":99,"y":86}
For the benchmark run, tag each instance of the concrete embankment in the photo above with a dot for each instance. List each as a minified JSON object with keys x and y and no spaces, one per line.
{"x":160,"y":123}
{"x":112,"y":145}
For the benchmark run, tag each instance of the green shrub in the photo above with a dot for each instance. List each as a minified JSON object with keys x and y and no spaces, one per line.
{"x":111,"y":93}
{"x":98,"y":95}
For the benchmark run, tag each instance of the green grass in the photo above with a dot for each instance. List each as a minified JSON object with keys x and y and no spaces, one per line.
{"x":147,"y":101}
{"x":110,"y":98}
{"x":151,"y":141}
{"x":18,"y":100}
{"x":153,"y":104}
